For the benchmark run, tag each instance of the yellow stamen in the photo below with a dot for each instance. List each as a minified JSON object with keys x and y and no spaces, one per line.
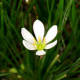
{"x":44,"y":44}
{"x":34,"y":44}
{"x":40,"y":45}
{"x":35,"y":40}
{"x":39,"y":39}
{"x":43,"y":39}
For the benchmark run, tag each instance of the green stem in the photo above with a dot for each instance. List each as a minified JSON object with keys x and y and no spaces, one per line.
{"x":53,"y":62}
{"x":61,"y":77}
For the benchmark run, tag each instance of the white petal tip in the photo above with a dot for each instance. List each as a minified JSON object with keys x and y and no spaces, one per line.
{"x":27,"y":35}
{"x":48,"y":46}
{"x":28,"y":45}
{"x":51,"y":34}
{"x":38,"y":29}
{"x":37,"y":20}
{"x":55,"y":27}
{"x":22,"y":29}
{"x":40,"y":53}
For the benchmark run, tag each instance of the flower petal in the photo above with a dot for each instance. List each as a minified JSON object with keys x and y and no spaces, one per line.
{"x":51,"y":33}
{"x":38,"y":28}
{"x":48,"y":46}
{"x":39,"y":53}
{"x":28,"y":45}
{"x":27,"y":35}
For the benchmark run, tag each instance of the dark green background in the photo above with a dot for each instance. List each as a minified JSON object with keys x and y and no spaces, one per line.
{"x":15,"y":14}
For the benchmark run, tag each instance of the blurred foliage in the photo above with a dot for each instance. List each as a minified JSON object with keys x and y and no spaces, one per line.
{"x":61,"y":62}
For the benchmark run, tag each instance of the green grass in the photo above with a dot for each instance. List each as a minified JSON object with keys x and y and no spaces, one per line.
{"x":15,"y":14}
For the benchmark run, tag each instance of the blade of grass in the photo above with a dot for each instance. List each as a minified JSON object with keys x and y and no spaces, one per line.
{"x":51,"y":65}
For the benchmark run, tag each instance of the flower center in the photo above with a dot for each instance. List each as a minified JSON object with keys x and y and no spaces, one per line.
{"x":40,"y":45}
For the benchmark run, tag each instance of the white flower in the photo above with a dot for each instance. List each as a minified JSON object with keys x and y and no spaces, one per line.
{"x":27,"y":1}
{"x":40,"y":42}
